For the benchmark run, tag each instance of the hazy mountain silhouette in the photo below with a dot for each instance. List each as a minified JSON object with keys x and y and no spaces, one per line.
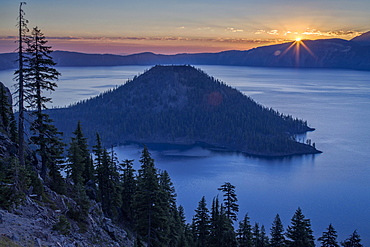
{"x":183,"y":105}
{"x":363,"y":39}
{"x":325,"y":53}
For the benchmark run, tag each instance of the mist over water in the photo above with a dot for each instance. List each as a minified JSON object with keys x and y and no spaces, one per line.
{"x":332,"y":187}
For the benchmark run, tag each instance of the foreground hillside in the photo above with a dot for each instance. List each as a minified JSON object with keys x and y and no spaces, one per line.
{"x":183,"y":105}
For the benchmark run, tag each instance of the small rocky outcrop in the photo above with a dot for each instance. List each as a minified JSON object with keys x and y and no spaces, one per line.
{"x":45,"y":224}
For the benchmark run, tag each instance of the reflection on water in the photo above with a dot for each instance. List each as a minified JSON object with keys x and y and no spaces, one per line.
{"x":332,"y":187}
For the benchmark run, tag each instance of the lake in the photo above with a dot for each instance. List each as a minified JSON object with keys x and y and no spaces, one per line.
{"x":332,"y":187}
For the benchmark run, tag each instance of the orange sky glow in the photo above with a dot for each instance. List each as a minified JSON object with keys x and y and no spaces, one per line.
{"x":170,"y":27}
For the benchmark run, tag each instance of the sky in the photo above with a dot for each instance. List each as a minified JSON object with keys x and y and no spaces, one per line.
{"x":173,"y":26}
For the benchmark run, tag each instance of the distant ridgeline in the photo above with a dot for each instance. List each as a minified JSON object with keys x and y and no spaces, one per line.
{"x":183,"y":105}
{"x":324,"y":53}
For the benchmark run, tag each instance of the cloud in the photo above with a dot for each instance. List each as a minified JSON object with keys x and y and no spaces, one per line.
{"x":170,"y":38}
{"x":231,"y":29}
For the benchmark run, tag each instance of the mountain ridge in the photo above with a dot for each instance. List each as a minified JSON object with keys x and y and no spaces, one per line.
{"x":324,"y":53}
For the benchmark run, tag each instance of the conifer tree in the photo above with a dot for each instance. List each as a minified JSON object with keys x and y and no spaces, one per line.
{"x":277,"y":233}
{"x":185,"y":239}
{"x":148,"y":211}
{"x":221,"y":229}
{"x":78,"y":156}
{"x":201,"y":223}
{"x":256,"y":235}
{"x":299,"y":234}
{"x":329,"y":238}
{"x":354,"y":240}
{"x":230,"y":201}
{"x":171,"y":228}
{"x":7,"y":121}
{"x":244,"y":233}
{"x":264,"y":240}
{"x":109,"y":186}
{"x":128,"y":182}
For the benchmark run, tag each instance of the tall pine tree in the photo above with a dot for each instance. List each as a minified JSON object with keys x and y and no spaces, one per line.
{"x":128,"y":182}
{"x":149,"y":215}
{"x":244,"y":234}
{"x":78,"y":157}
{"x":201,"y":224}
{"x":277,"y":233}
{"x":329,"y":238}
{"x":230,"y":201}
{"x":354,"y":240}
{"x":299,"y":233}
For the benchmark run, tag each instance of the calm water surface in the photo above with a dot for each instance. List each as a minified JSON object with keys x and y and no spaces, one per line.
{"x":332,"y":187}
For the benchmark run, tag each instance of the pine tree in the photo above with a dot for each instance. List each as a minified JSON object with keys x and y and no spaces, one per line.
{"x":329,"y":238}
{"x":128,"y":182}
{"x":50,"y":148}
{"x":277,"y":233}
{"x":185,"y":238}
{"x":354,"y":240}
{"x":149,"y":216}
{"x":244,"y":233}
{"x":221,"y":229}
{"x":230,"y":201}
{"x":264,"y":240}
{"x":256,"y":235}
{"x":78,"y":156}
{"x":201,"y":223}
{"x":171,"y":227}
{"x":109,"y":185}
{"x":7,"y":121}
{"x":300,"y":232}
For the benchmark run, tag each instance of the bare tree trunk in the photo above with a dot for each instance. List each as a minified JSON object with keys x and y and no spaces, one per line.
{"x":21,"y":90}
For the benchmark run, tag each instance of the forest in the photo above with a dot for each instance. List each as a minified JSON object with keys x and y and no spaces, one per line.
{"x":184,"y":105}
{"x":144,"y":201}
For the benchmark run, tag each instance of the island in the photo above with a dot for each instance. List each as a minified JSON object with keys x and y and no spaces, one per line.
{"x":180,"y":104}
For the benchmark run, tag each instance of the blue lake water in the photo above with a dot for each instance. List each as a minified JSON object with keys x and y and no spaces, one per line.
{"x":332,"y":187}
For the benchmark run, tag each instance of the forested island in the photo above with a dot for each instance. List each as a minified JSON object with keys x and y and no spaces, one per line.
{"x":183,"y":105}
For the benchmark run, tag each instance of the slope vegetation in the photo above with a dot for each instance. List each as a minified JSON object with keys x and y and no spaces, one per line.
{"x":183,"y":105}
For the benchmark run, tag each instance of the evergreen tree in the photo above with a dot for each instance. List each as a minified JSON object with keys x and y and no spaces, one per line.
{"x":256,"y":235}
{"x":230,"y":201}
{"x":277,"y":233}
{"x":171,"y":229}
{"x":244,"y":233}
{"x":78,"y":157}
{"x":128,"y":182}
{"x":221,"y":228}
{"x":149,"y":215}
{"x":109,"y":187}
{"x":300,"y":232}
{"x":264,"y":239}
{"x":329,"y":238}
{"x":39,"y":76}
{"x":7,"y":121}
{"x":185,"y":239}
{"x":354,"y":240}
{"x":201,"y":224}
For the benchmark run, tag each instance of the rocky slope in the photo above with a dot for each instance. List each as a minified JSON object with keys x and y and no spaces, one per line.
{"x":39,"y":224}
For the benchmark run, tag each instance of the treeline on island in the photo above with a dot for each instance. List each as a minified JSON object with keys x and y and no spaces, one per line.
{"x":184,"y":105}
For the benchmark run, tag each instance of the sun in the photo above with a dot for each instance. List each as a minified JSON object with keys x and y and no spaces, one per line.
{"x":298,"y":39}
